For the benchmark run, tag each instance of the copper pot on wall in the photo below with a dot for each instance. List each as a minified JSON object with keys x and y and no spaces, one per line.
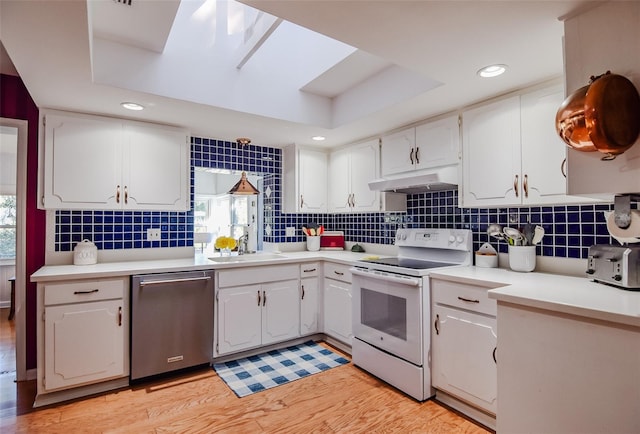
{"x":603,"y":116}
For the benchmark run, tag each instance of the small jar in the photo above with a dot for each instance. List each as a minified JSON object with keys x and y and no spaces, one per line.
{"x":85,"y":253}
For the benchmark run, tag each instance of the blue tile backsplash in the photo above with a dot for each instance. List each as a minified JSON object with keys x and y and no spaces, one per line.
{"x":570,"y":229}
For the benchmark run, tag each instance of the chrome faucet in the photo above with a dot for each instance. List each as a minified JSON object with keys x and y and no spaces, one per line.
{"x":243,"y":242}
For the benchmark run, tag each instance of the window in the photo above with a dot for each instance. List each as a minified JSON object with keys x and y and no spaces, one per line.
{"x":8,"y":227}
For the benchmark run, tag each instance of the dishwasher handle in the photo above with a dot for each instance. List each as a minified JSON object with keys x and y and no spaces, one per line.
{"x":165,"y":281}
{"x":389,"y":277}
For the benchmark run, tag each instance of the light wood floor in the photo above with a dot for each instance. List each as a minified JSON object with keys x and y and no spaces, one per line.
{"x":341,"y":400}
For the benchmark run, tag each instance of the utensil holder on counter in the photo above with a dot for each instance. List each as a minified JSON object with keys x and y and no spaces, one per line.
{"x":313,"y":243}
{"x":522,"y":258}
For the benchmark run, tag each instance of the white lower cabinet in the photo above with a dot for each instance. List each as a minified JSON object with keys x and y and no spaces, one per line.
{"x":463,"y":344}
{"x":83,"y":336}
{"x":256,"y":306}
{"x":309,"y":298}
{"x":337,"y":302}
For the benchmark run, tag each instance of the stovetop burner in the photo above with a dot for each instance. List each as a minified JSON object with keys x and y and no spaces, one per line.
{"x":414,"y":264}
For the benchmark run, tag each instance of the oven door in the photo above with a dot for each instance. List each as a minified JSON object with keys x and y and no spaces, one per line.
{"x":387,"y":312}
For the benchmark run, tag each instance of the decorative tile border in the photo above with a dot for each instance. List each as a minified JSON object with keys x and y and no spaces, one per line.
{"x":570,"y":229}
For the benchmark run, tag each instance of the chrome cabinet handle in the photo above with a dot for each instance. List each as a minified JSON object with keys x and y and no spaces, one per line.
{"x":91,"y":291}
{"x":437,"y":323}
{"x":468,"y":300}
{"x":525,"y":185}
{"x":117,"y":194}
{"x":515,"y":186}
{"x":302,"y":292}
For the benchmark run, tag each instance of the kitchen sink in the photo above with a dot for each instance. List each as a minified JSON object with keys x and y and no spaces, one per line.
{"x":250,"y":257}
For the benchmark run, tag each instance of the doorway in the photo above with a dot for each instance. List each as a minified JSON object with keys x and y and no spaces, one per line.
{"x":13,"y":141}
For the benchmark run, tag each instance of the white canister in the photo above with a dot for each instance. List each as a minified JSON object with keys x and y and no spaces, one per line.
{"x":313,"y":243}
{"x":85,"y":253}
{"x":522,"y":258}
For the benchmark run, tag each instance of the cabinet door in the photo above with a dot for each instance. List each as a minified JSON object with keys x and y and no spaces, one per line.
{"x":81,"y":162}
{"x":83,"y":343}
{"x":312,"y":179}
{"x":364,"y":165}
{"x":339,"y":181}
{"x":491,"y":154}
{"x":280,"y":311}
{"x":239,"y":318}
{"x":337,"y":310}
{"x":437,"y":143}
{"x":155,"y":168}
{"x":309,"y":305}
{"x":398,"y":152}
{"x":463,"y":353}
{"x":543,"y":152}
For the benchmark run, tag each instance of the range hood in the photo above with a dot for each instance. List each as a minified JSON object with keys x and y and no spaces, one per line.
{"x":436,"y":179}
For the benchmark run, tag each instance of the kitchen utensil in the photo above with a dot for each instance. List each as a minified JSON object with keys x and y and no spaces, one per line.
{"x":513,"y":235}
{"x":495,"y":230}
{"x":538,"y":233}
{"x":528,"y":232}
{"x":612,"y":114}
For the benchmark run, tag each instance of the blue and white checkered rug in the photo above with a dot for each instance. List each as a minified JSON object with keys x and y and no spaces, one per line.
{"x":274,"y":368}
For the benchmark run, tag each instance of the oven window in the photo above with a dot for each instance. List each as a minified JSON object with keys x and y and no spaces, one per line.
{"x":384,"y":312}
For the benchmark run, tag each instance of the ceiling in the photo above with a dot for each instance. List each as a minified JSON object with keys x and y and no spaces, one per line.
{"x":395,"y":63}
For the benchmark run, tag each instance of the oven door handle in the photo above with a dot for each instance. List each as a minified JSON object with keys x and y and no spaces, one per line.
{"x":410,"y":281}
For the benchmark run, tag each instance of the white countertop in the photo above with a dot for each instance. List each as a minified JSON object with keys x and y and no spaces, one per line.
{"x":566,"y":294}
{"x":50,"y":273}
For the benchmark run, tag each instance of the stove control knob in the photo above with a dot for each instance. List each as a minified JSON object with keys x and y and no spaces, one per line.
{"x":459,"y":239}
{"x":452,"y":239}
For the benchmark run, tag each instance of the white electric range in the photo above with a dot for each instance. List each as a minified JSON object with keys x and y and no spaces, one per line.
{"x":392,"y":306}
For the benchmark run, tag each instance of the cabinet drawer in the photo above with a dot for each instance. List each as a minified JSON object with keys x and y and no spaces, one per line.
{"x":254,"y":275}
{"x":84,"y":291}
{"x":310,"y":269}
{"x":463,"y":295}
{"x":337,"y":271}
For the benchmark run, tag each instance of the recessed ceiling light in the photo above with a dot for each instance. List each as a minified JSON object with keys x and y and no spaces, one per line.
{"x":132,"y":106}
{"x":318,"y":138}
{"x":492,"y":71}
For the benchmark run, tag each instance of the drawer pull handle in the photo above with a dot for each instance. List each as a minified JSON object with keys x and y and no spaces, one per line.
{"x":264,"y":298}
{"x":259,"y":299}
{"x":339,"y":273}
{"x":302,"y":292}
{"x":309,"y":270}
{"x":120,"y":316}
{"x":436,"y":323}
{"x":91,"y":291}
{"x":468,"y":300}
{"x":494,"y":355}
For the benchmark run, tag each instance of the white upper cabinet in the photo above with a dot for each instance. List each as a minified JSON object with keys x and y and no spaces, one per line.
{"x":397,"y":152}
{"x":350,"y":171}
{"x":99,"y":163}
{"x":604,"y":38}
{"x":511,"y":153}
{"x":432,"y":144}
{"x":304,"y":180}
{"x":438,"y":143}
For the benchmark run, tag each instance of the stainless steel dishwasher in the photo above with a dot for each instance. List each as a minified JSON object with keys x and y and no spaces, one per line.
{"x":171,"y":322}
